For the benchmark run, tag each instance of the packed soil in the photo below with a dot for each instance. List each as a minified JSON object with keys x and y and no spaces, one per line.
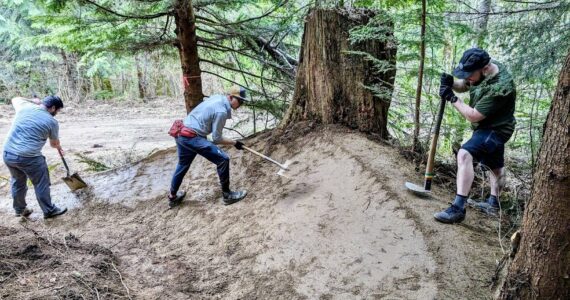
{"x":339,"y":224}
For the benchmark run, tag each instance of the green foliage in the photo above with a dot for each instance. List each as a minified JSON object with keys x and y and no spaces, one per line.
{"x":534,"y":37}
{"x":93,"y":165}
{"x":530,"y":38}
{"x":379,"y":28}
{"x":106,"y":52}
{"x":103,"y":95}
{"x":102,"y":37}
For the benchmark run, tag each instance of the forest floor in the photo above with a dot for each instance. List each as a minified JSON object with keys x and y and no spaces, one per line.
{"x":339,"y":225}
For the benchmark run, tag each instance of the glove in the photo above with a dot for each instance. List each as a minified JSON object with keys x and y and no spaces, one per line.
{"x":239,"y":145}
{"x":446,"y":80}
{"x":447,"y":94}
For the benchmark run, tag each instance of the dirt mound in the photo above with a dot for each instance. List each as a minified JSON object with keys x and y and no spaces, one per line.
{"x":340,"y":225}
{"x":35,"y":265}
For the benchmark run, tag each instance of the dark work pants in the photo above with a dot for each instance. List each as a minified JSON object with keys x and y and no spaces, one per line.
{"x":35,"y":168}
{"x":188,"y":148}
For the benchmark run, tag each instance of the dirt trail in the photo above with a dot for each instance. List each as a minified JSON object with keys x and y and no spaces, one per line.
{"x":340,"y":226}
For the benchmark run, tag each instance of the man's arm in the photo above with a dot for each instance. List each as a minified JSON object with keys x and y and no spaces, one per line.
{"x":217,"y":127}
{"x":54,"y":143}
{"x":19,"y":102}
{"x":54,"y":137}
{"x":470,"y":113}
{"x":460,"y":86}
{"x":226,"y":141}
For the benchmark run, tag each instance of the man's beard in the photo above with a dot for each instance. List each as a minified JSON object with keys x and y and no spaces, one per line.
{"x":53,"y":113}
{"x":480,"y":80}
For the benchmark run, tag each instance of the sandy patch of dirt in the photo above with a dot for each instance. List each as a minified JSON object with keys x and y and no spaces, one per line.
{"x":340,"y":226}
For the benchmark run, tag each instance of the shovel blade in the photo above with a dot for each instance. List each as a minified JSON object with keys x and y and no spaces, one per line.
{"x":74,"y":182}
{"x":418,"y":190}
{"x":284,"y":167}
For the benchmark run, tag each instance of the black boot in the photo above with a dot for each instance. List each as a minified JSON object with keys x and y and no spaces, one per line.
{"x":173,"y":202}
{"x":229,"y":196}
{"x":233,"y":197}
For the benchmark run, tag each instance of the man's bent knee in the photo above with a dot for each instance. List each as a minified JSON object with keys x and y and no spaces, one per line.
{"x":224,"y":160}
{"x":464,"y":157}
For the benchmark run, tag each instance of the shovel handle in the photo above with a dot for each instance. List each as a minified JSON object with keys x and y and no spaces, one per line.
{"x":265,"y":157}
{"x":64,"y":163}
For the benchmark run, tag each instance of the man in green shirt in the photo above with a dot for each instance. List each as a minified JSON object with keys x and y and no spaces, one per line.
{"x":491,"y":110}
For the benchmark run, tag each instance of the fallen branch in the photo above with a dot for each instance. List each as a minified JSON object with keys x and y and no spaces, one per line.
{"x":231,"y":129}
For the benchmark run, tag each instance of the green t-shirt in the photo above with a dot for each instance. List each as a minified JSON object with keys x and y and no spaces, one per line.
{"x":495,"y":99}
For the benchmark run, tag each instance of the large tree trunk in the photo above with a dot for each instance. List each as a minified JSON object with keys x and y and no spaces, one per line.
{"x":541,"y":269}
{"x":187,"y":44}
{"x":331,"y":85}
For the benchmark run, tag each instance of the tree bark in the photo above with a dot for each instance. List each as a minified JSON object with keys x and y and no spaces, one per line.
{"x":71,"y":75}
{"x":416,"y":142}
{"x":331,"y":85}
{"x":187,"y":44}
{"x":141,"y":79}
{"x":541,"y":269}
{"x":481,"y":23}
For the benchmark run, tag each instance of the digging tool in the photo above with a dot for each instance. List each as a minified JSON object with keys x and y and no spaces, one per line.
{"x":426,"y":189}
{"x":74,"y":182}
{"x":283,"y":167}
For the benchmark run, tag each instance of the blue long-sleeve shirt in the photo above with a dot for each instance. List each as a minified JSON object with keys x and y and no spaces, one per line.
{"x":210,"y":117}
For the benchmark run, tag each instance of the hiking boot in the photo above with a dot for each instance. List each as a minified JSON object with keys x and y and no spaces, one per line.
{"x":486,"y":207}
{"x":173,"y":202}
{"x":233,"y":197}
{"x":24,"y":213}
{"x":452,"y":214}
{"x":56,"y":212}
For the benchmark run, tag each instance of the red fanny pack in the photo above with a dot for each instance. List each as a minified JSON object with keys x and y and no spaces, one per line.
{"x":178,"y":129}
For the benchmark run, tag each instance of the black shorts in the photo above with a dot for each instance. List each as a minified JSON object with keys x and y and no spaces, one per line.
{"x":487,"y":148}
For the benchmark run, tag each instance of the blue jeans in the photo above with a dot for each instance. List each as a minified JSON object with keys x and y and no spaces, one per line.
{"x":187,"y":150}
{"x":35,"y":168}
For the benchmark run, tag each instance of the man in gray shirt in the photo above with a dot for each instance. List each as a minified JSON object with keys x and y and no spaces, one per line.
{"x":33,"y":124}
{"x":208,"y":117}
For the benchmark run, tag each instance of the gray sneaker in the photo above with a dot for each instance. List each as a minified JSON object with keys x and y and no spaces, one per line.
{"x":484,"y":207}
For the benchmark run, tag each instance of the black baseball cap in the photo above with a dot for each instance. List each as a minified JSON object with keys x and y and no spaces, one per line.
{"x":50,"y":101}
{"x":473,"y":59}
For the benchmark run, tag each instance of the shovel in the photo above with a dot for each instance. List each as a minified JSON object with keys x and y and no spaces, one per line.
{"x":74,"y":182}
{"x":283,"y":167}
{"x":426,"y":189}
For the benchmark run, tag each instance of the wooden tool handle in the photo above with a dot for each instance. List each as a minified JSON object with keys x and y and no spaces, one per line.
{"x":264,"y":157}
{"x":433,"y":147}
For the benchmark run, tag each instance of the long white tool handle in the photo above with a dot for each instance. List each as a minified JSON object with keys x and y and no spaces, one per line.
{"x":265,"y":157}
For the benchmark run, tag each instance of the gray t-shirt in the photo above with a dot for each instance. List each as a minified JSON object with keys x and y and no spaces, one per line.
{"x":210,"y":117}
{"x":31,"y":128}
